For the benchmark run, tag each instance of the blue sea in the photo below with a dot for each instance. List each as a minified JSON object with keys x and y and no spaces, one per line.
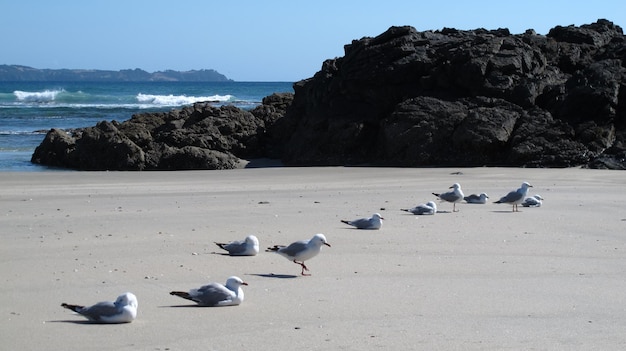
{"x":29,"y":109}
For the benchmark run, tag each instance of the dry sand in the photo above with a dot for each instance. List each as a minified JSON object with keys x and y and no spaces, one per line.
{"x":484,"y":278}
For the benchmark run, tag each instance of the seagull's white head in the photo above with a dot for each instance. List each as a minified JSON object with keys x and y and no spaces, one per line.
{"x":233,"y":283}
{"x":377,"y":216}
{"x":319,"y":240}
{"x":252,"y":240}
{"x":455,"y":186}
{"x":526,"y":185}
{"x":127,"y":299}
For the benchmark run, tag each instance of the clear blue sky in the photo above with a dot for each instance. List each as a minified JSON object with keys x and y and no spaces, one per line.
{"x":249,"y":40}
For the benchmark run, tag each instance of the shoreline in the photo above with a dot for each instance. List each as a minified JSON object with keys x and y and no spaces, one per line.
{"x":481,"y":278}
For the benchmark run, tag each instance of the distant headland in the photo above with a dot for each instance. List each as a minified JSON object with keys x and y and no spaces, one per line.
{"x":17,"y":73}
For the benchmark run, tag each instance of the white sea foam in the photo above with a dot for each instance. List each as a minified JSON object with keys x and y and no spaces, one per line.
{"x":37,"y":96}
{"x":178,"y":100}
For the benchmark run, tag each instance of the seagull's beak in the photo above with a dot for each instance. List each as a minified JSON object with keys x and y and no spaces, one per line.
{"x":244,"y":283}
{"x":327,"y":244}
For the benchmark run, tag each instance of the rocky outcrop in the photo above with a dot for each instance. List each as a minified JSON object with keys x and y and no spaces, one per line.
{"x":403,"y":98}
{"x":196,"y":137}
{"x":467,"y":98}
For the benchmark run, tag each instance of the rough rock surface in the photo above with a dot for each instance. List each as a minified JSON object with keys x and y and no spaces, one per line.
{"x":195,"y":137}
{"x":403,"y":98}
{"x":467,"y":98}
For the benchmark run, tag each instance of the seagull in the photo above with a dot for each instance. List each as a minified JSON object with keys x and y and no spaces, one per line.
{"x":122,"y":310}
{"x":301,"y":250}
{"x":454,"y":196}
{"x":374,"y":222}
{"x":515,"y":197}
{"x":476,"y":199}
{"x":247,"y":247}
{"x":216,"y":294}
{"x":429,"y":208}
{"x":534,"y":201}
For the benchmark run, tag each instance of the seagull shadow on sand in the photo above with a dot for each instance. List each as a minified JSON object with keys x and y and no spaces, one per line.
{"x":226,"y":254}
{"x":274,"y":275}
{"x":87,"y":322}
{"x":219,"y":253}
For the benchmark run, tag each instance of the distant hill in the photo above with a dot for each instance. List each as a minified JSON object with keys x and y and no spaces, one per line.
{"x":18,"y":73}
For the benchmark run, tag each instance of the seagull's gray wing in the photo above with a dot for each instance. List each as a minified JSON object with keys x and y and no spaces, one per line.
{"x":513,"y":196}
{"x":236,"y":247}
{"x":472,"y":197}
{"x":100,"y":310}
{"x":294,"y":248}
{"x":450,"y":196}
{"x":530,"y":201}
{"x":421,"y":209}
{"x":361,"y":223}
{"x":211,"y":294}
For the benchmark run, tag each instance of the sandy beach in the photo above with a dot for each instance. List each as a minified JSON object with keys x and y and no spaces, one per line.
{"x":482,"y":278}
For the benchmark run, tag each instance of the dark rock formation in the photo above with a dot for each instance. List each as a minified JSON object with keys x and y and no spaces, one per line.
{"x":196,"y":137}
{"x":403,"y":98}
{"x":466,"y":98}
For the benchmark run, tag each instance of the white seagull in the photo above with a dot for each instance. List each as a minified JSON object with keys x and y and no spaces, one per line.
{"x":533,"y":201}
{"x":454,"y":196}
{"x":122,"y":310}
{"x":374,"y":222}
{"x":302,"y":250}
{"x":515,"y":197}
{"x":429,"y":208}
{"x":216,"y":294}
{"x":476,"y":199}
{"x":247,"y":247}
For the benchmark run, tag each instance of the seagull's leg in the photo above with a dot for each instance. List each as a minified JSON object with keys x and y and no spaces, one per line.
{"x":304,"y":267}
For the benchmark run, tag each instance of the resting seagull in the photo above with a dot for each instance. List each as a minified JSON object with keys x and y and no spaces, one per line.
{"x":122,"y":310}
{"x":429,"y":208}
{"x":515,"y":197}
{"x":301,"y":250}
{"x":216,"y":294}
{"x":533,"y":201}
{"x":454,"y":196}
{"x":247,"y":247}
{"x":476,"y":199}
{"x":374,"y":222}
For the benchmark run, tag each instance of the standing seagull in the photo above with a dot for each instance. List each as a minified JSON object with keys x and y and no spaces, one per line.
{"x":515,"y":197}
{"x":122,"y":310}
{"x":533,"y":201}
{"x":247,"y":247}
{"x":374,"y":222}
{"x":216,"y":294}
{"x":429,"y":208}
{"x":476,"y":199}
{"x":454,"y":196}
{"x":301,"y":250}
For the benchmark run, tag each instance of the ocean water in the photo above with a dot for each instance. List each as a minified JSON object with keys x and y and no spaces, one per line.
{"x":29,"y":109}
